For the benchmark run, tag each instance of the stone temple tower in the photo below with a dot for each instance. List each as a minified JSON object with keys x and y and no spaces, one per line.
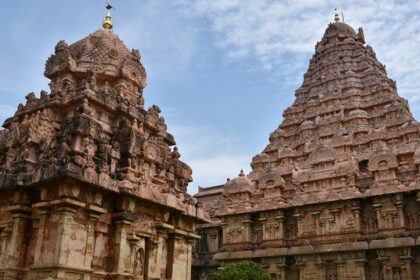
{"x":336,"y":192}
{"x":90,"y":187}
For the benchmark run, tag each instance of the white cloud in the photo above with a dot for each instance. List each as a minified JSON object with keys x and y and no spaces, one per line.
{"x":282,"y":36}
{"x":215,"y":169}
{"x":279,"y":32}
{"x":165,"y":35}
{"x":214,"y":153}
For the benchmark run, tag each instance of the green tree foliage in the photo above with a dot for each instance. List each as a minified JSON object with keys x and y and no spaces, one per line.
{"x":246,"y":270}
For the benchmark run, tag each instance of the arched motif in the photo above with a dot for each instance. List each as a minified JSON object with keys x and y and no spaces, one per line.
{"x":382,"y":160}
{"x":322,"y":154}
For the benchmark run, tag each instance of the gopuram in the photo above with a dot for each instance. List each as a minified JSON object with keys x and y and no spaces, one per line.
{"x":335,"y":195}
{"x":91,"y":186}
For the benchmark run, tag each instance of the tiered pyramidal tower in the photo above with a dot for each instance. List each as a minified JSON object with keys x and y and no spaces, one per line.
{"x":90,"y":187}
{"x":335,"y":194}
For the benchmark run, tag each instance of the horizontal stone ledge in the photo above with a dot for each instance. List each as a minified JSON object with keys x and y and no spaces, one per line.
{"x":19,"y":208}
{"x":59,"y":267}
{"x":64,"y":201}
{"x":177,"y":232}
{"x":14,"y":269}
{"x":169,"y":201}
{"x":328,"y":248}
{"x":233,"y":255}
{"x":390,"y":242}
{"x":165,"y":226}
{"x":189,"y":235}
{"x":96,"y":209}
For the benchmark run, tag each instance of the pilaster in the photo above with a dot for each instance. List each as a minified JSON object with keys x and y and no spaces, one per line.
{"x":180,"y":249}
{"x":356,"y":215}
{"x":299,"y":223}
{"x":122,"y":247}
{"x":14,"y":253}
{"x":94,"y":213}
{"x":41,"y":215}
{"x":247,"y":228}
{"x":378,"y":208}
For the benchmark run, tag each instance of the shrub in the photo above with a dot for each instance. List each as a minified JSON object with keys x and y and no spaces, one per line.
{"x":246,"y":270}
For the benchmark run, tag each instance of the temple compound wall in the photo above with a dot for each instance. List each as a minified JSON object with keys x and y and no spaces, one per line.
{"x":372,"y":238}
{"x":91,"y":186}
{"x":336,"y":193}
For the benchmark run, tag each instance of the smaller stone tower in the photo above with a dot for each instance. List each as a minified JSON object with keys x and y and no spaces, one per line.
{"x":90,"y":187}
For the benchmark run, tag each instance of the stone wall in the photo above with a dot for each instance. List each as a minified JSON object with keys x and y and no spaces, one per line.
{"x":375,"y":238}
{"x":79,"y":232}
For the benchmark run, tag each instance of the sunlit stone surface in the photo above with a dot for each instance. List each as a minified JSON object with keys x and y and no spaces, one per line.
{"x":336,"y":193}
{"x":90,"y":187}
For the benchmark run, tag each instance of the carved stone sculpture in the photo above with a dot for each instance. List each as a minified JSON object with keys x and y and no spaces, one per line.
{"x":337,"y":184}
{"x":89,"y":187}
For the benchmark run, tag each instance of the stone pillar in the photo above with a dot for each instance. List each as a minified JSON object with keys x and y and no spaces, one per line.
{"x":281,"y":219}
{"x":4,"y":234}
{"x":264,"y":227}
{"x":170,"y":258}
{"x":299,"y":224}
{"x":321,"y":267}
{"x":247,"y":227}
{"x":377,"y":208}
{"x":190,"y":243}
{"x":155,"y":268}
{"x":180,"y":250}
{"x":122,"y":247}
{"x":134,"y":244}
{"x":361,"y":264}
{"x":16,"y":249}
{"x":162,"y":237}
{"x":386,"y":271}
{"x":399,"y":204}
{"x":94,"y":214}
{"x":41,"y":216}
{"x":406,"y":269}
{"x":90,"y":241}
{"x":337,"y":221}
{"x":180,"y":260}
{"x":316,"y":218}
{"x":63,"y":237}
{"x":224,"y":233}
{"x":282,"y":271}
{"x":66,"y":240}
{"x":301,"y":268}
{"x":66,"y":233}
{"x":174,"y":266}
{"x":340,"y":268}
{"x":70,"y":240}
{"x":356,"y":215}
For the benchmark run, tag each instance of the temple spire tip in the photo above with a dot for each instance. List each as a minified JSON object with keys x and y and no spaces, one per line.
{"x":107,"y":24}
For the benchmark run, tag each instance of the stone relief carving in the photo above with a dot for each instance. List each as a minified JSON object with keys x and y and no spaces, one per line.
{"x":343,"y":166}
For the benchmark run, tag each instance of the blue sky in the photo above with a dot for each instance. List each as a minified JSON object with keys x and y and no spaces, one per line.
{"x":221,"y":71}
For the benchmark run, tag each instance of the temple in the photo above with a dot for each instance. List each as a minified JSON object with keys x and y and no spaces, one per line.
{"x":336,"y":192}
{"x":91,"y":185}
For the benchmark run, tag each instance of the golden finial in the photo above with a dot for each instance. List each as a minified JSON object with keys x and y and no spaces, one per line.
{"x":107,"y":24}
{"x":336,"y":16}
